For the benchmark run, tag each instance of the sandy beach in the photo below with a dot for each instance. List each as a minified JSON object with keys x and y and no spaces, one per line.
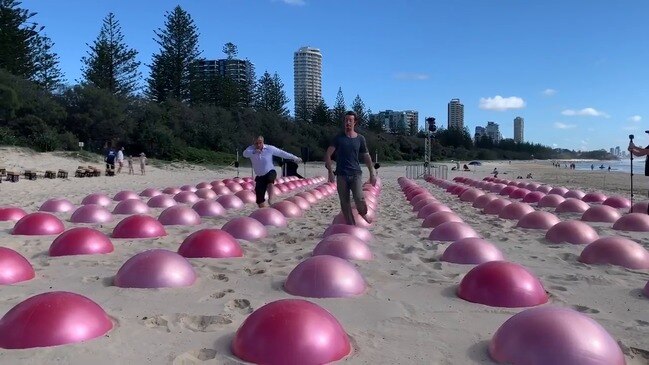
{"x":410,"y":313}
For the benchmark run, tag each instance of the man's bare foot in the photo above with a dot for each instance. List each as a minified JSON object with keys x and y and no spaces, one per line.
{"x":263,"y":205}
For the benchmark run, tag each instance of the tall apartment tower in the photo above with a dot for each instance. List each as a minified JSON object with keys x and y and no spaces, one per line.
{"x":455,"y":114}
{"x":307,"y":76}
{"x":242,"y":72}
{"x":519,"y":124}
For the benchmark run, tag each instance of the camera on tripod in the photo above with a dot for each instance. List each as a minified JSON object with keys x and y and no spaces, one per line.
{"x":431,"y":124}
{"x":631,"y":136}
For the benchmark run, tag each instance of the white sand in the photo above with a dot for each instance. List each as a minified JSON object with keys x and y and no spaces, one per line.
{"x":409,"y":315}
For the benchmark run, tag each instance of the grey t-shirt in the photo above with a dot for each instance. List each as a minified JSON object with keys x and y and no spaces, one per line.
{"x":347,"y":152}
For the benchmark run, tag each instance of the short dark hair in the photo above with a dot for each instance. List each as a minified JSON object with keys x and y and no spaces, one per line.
{"x":352,"y":113}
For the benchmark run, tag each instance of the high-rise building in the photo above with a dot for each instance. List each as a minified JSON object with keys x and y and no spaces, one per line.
{"x":617,"y":151}
{"x":493,"y":131}
{"x":412,"y":120}
{"x":455,"y":114}
{"x":479,"y":132}
{"x":398,"y":122}
{"x":518,"y":129}
{"x":242,"y":72}
{"x":307,"y":74}
{"x":612,"y":151}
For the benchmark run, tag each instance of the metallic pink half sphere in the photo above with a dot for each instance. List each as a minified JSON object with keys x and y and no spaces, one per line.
{"x":532,"y":186}
{"x":291,"y":332}
{"x":646,"y":290}
{"x":515,"y":210}
{"x":545,"y":189}
{"x":317,"y":194}
{"x":203,"y":185}
{"x":156,"y":268}
{"x":289,"y":209}
{"x":126,"y":194}
{"x":559,"y":191}
{"x":575,"y":232}
{"x":213,"y":243}
{"x":245,"y":228}
{"x":51,"y":319}
{"x":470,"y":195}
{"x":131,"y":206}
{"x":360,"y":222}
{"x":11,"y":214}
{"x":357,"y":232}
{"x":551,"y":201}
{"x":502,"y":284}
{"x":186,"y":197}
{"x":594,"y":197}
{"x":234,"y":187}
{"x":269,"y":217}
{"x":412,"y":193}
{"x":209,"y":208}
{"x":482,"y":201}
{"x":572,"y":205}
{"x":452,"y":231}
{"x":495,"y":206}
{"x":150,"y":192}
{"x":179,"y":215}
{"x":497,"y":188}
{"x":325,"y":276}
{"x":432,"y":208}
{"x":217,"y":183}
{"x":171,"y":190}
{"x":56,"y":205}
{"x":416,"y":199}
{"x":435,"y":219}
{"x":423,"y":202}
{"x":139,"y":226}
{"x":471,"y":250}
{"x":14,"y":268}
{"x":601,"y":213}
{"x":576,"y":194}
{"x":639,"y":207}
{"x":573,"y":337}
{"x":308,"y":196}
{"x":533,"y":197}
{"x":206,"y":193}
{"x":519,"y":193}
{"x":248,"y":185}
{"x":345,"y":246}
{"x":635,"y":222}
{"x":538,"y":220}
{"x":38,"y":224}
{"x":81,"y":241}
{"x":507,"y":190}
{"x":230,"y":202}
{"x":247,"y":196}
{"x":97,"y":199}
{"x":618,"y":202}
{"x":161,"y":201}
{"x":302,"y":203}
{"x":616,"y":251}
{"x":91,"y":213}
{"x":189,"y":188}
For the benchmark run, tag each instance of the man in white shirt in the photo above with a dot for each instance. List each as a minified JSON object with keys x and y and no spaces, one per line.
{"x":120,"y":160}
{"x":261,"y":157}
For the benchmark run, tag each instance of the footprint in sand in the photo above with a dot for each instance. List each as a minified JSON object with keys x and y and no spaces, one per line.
{"x":157,"y":322}
{"x":559,"y":288}
{"x":89,"y":279}
{"x":221,"y":294}
{"x":239,"y":305}
{"x":203,"y":323}
{"x":195,"y":356}
{"x":221,"y":277}
{"x":584,"y":309}
{"x":642,"y":323}
{"x":254,"y":271}
{"x":426,"y":260}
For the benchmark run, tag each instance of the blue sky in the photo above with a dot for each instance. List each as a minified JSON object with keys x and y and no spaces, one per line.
{"x":576,"y":70}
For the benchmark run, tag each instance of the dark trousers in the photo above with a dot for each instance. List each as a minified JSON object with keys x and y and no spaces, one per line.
{"x":261,"y":185}
{"x":353,"y":184}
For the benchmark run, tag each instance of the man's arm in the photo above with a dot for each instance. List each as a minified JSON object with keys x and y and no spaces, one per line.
{"x":637,"y":151}
{"x":330,"y":151}
{"x":248,"y":152}
{"x":368,"y":162}
{"x":283,"y":154}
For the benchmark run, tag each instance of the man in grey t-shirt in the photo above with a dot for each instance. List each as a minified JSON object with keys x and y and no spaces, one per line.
{"x":349,"y":147}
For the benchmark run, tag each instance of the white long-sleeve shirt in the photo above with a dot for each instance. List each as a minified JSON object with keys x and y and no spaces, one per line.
{"x":262,"y":162}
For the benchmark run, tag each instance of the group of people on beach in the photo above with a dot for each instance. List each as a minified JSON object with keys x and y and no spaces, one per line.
{"x":113,"y":156}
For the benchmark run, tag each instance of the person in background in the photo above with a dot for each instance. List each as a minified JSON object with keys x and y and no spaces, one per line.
{"x":130,"y":165}
{"x":142,"y":163}
{"x":110,"y":161}
{"x":120,"y":160}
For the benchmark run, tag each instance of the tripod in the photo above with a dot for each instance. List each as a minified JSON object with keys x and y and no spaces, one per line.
{"x":631,"y":155}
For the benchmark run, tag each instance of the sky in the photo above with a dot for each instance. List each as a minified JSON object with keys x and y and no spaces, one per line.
{"x":577,"y":71}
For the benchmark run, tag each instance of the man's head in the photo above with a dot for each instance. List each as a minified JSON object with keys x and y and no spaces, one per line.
{"x":350,"y":121}
{"x":258,"y":142}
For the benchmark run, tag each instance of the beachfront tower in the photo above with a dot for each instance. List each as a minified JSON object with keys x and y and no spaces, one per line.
{"x":518,"y":129}
{"x":455,"y":114}
{"x":307,"y":73}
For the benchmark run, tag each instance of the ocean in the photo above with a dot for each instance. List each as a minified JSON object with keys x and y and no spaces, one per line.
{"x":616,"y":165}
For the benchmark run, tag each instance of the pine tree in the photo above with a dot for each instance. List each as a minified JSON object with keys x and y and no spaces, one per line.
{"x":230,"y":50}
{"x":359,"y":108}
{"x":270,"y":95}
{"x":47,"y":72}
{"x":321,"y":115}
{"x":111,"y":64}
{"x":173,"y":69}
{"x":339,"y":108}
{"x":18,"y":37}
{"x":302,"y":112}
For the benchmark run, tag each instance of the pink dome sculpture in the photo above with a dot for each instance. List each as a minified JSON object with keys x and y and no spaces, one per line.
{"x":533,"y":197}
{"x":471,"y":251}
{"x":217,"y":183}
{"x":51,"y":319}
{"x":91,"y":213}
{"x":538,"y":220}
{"x":56,"y":205}
{"x":416,"y":199}
{"x":171,"y":190}
{"x":470,"y":195}
{"x":618,"y":202}
{"x":14,"y":268}
{"x":221,"y":190}
{"x":325,"y":276}
{"x":155,"y":268}
{"x":247,"y":196}
{"x":245,"y":228}
{"x":572,"y":205}
{"x":601,"y":213}
{"x":212,"y":243}
{"x":459,"y":190}
{"x":291,"y":332}
{"x":139,"y":226}
{"x":532,"y":186}
{"x":11,"y":214}
{"x":179,"y":215}
{"x":507,"y":190}
{"x":234,"y":187}
{"x":358,"y":232}
{"x":186,"y":197}
{"x":230,"y":202}
{"x":432,"y":208}
{"x":308,"y":196}
{"x":150,"y":192}
{"x":575,"y":194}
{"x":646,"y":290}
{"x":452,"y":231}
{"x":575,"y":232}
{"x":360,"y":222}
{"x":203,"y":185}
{"x":269,"y":217}
{"x":131,"y":206}
{"x":559,"y":191}
{"x":545,"y":189}
{"x":209,"y":208}
{"x":289,"y":209}
{"x":635,"y":222}
{"x":497,"y":188}
{"x":97,"y":199}
{"x":618,"y":251}
{"x":639,"y":207}
{"x":189,"y":188}
{"x":317,"y":194}
{"x":248,"y":185}
{"x":550,"y":201}
{"x":424,"y":202}
{"x":435,"y":219}
{"x":502,"y":284}
{"x":38,"y":224}
{"x":594,"y":198}
{"x":519,"y":193}
{"x":125,"y":194}
{"x":495,"y":206}
{"x":574,"y":338}
{"x":161,"y":201}
{"x":515,"y":211}
{"x":482,"y":201}
{"x":345,"y":246}
{"x":206,"y":193}
{"x":303,"y":203}
{"x":81,"y":241}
